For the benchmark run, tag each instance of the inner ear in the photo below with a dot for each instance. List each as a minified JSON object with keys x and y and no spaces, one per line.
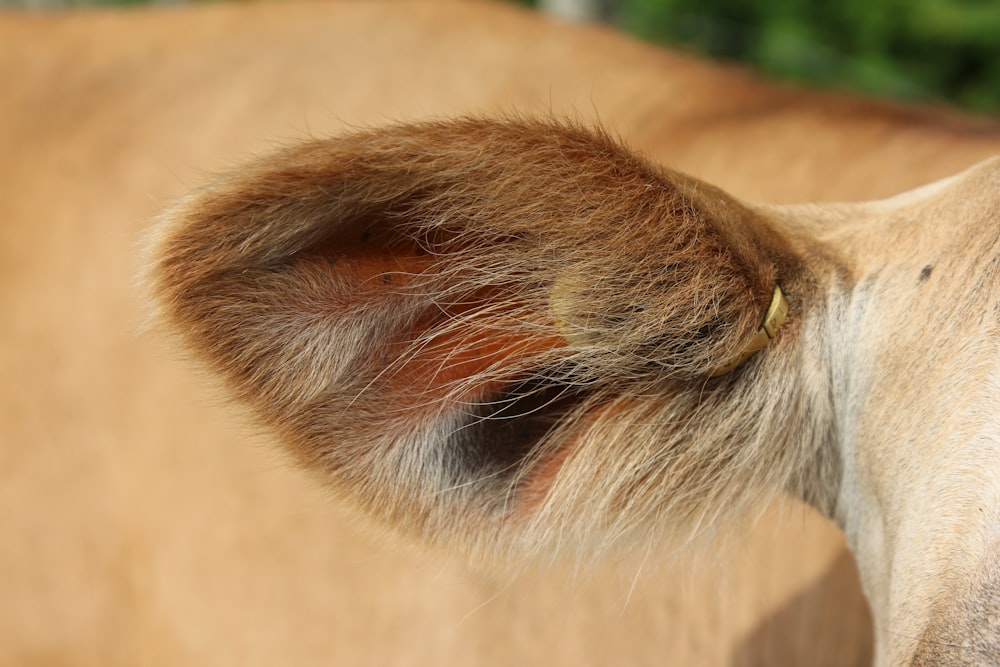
{"x":443,"y":339}
{"x":461,"y":368}
{"x":453,"y":331}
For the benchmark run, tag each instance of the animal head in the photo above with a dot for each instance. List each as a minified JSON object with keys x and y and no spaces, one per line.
{"x":509,"y":338}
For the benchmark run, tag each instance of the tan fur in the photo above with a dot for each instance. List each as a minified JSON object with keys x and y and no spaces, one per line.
{"x":493,"y":331}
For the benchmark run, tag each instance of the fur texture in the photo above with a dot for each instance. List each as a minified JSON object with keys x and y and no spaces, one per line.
{"x":499,"y":333}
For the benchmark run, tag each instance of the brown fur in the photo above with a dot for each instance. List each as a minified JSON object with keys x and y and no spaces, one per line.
{"x":384,"y":301}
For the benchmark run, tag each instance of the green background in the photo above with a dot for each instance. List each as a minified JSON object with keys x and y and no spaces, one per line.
{"x":915,"y":50}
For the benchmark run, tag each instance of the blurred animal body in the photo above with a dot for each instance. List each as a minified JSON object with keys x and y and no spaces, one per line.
{"x":478,"y":299}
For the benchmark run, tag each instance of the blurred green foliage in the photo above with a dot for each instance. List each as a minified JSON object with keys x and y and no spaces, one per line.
{"x":916,"y":50}
{"x":908,"y":49}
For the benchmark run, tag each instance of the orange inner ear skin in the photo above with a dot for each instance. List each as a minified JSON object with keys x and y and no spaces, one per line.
{"x":466,"y":362}
{"x":466,"y":351}
{"x":369,"y":274}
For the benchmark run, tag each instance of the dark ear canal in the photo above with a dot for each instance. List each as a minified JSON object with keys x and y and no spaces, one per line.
{"x":502,"y":434}
{"x":427,"y":314}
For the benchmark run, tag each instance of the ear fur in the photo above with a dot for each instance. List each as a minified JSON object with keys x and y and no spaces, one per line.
{"x":489,"y":332}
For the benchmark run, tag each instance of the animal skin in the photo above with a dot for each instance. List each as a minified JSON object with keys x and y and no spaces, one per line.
{"x":468,"y":274}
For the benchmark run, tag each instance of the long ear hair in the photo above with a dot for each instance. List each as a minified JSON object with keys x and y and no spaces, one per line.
{"x":493,"y":333}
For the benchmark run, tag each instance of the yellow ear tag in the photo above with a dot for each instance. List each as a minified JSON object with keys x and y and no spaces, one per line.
{"x":773,"y":320}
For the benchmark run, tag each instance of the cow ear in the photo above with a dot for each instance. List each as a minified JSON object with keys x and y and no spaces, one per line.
{"x":442,"y":317}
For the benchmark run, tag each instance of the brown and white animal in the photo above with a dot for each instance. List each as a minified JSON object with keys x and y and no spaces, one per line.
{"x":495,"y":327}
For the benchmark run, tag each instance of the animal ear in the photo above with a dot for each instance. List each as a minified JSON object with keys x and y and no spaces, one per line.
{"x":449,"y":319}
